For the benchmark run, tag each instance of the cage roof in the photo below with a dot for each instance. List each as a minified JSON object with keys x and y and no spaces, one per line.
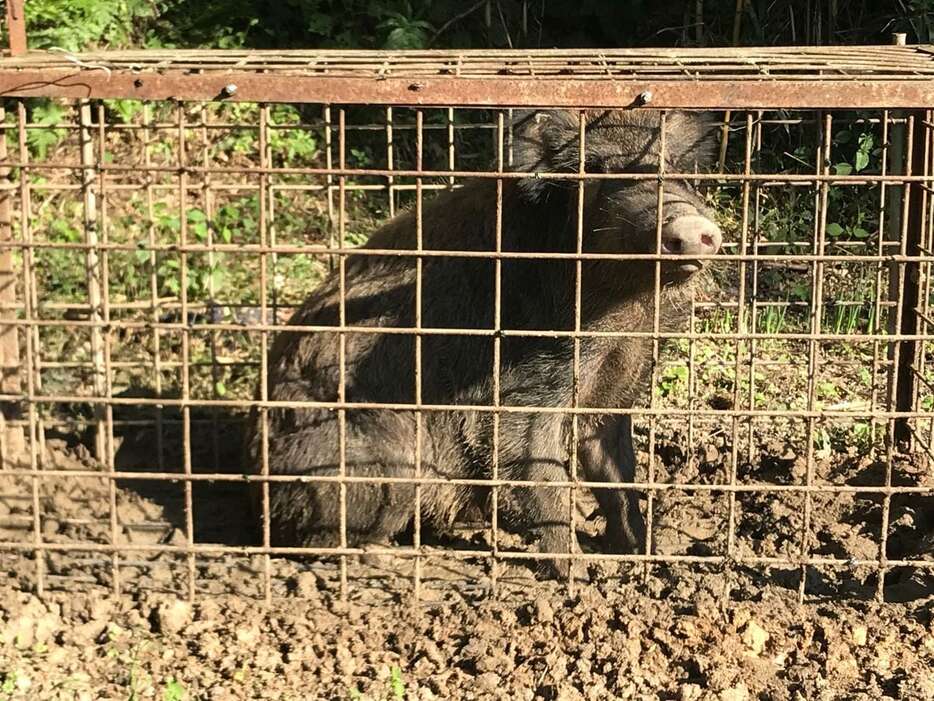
{"x":767,"y":77}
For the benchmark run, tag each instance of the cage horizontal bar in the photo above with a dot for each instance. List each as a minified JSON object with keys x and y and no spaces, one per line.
{"x":138,"y":475}
{"x":48,"y":363}
{"x":481,"y":408}
{"x":739,"y":178}
{"x":322,"y":249}
{"x":459,"y":554}
{"x":173,"y":304}
{"x":454,"y":331}
{"x":726,"y":78}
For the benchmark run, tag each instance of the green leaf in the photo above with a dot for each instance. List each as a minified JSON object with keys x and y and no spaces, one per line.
{"x":217,"y":278}
{"x":860,"y":233}
{"x":200,"y":230}
{"x":173,"y":691}
{"x":861,"y":160}
{"x":843,"y":169}
{"x":834,"y":230}
{"x":320,"y":23}
{"x":396,"y":683}
{"x":411,"y":36}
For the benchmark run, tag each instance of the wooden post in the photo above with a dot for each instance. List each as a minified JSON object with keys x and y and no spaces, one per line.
{"x":16,"y":27}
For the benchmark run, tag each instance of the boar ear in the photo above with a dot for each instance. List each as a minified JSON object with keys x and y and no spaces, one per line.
{"x":543,"y":141}
{"x":694,"y":139}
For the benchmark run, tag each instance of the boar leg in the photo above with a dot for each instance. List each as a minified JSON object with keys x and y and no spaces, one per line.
{"x":537,"y":453}
{"x":607,"y":455}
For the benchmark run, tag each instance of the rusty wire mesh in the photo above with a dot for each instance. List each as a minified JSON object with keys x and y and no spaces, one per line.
{"x":150,"y":259}
{"x":720,"y":63}
{"x":715,"y":78}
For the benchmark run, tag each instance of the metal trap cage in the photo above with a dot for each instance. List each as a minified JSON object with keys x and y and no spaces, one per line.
{"x":164,"y":214}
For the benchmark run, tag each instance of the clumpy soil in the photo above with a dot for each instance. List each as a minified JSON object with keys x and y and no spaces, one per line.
{"x":680,"y":630}
{"x":602,"y":642}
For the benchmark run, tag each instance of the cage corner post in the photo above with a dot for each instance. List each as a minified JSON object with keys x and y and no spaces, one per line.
{"x":911,"y":283}
{"x":13,"y":436}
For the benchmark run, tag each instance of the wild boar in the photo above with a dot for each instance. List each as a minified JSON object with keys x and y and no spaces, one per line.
{"x":539,"y":215}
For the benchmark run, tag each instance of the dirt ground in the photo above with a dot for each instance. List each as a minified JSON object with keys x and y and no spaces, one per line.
{"x":676,"y":631}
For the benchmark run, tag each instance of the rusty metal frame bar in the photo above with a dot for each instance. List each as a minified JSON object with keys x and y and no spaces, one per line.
{"x":16,"y":27}
{"x":11,"y":436}
{"x":464,"y":92}
{"x":716,"y":95}
{"x":912,"y":282}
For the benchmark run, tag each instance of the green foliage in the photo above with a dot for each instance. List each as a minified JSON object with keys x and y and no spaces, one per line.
{"x":771,"y":320}
{"x":395,"y":692}
{"x":784,"y":221}
{"x":8,"y":685}
{"x":672,"y":379}
{"x":396,"y":684}
{"x":46,"y":113}
{"x":173,"y":690}
{"x":125,"y":111}
{"x":79,"y":25}
{"x":403,"y":30}
{"x":76,"y":25}
{"x":920,"y":16}
{"x":297,"y":23}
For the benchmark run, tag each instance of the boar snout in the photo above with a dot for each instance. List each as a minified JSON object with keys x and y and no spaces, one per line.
{"x":691,"y":235}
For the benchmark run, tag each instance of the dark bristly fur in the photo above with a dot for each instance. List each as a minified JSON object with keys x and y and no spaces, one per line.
{"x":538,"y":215}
